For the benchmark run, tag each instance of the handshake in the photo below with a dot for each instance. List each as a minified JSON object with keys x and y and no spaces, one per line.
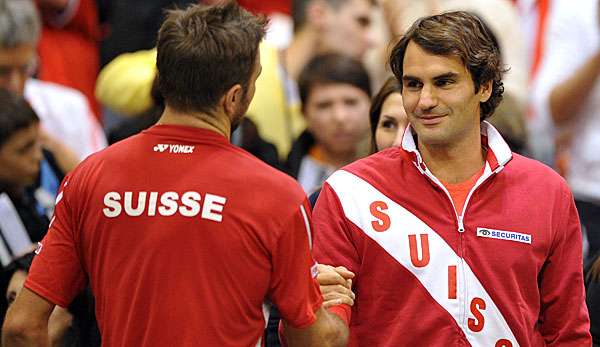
{"x":336,"y":285}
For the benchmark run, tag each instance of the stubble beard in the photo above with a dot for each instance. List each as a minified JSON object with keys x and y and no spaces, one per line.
{"x":240,"y":112}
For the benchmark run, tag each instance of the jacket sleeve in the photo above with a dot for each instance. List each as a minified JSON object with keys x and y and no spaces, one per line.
{"x":334,"y":241}
{"x":564,"y":319}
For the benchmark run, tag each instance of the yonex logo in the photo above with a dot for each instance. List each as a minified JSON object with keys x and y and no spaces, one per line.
{"x":504,"y":235}
{"x":160,"y":147}
{"x":178,"y":149}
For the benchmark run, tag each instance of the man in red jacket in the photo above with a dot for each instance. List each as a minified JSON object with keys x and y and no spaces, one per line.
{"x":453,"y":239}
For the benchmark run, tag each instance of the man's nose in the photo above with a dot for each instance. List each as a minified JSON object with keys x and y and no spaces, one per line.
{"x":427,"y":98}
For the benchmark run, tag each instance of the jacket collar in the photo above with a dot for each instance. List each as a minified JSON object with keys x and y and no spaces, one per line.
{"x":498,"y":151}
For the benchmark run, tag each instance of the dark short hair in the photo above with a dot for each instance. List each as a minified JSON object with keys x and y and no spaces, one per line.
{"x":205,"y":50}
{"x":15,"y":114}
{"x":460,"y":34}
{"x":333,"y":68}
{"x":390,"y":86}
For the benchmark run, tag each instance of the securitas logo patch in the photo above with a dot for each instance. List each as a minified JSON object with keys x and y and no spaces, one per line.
{"x":504,"y":235}
{"x":173,"y":148}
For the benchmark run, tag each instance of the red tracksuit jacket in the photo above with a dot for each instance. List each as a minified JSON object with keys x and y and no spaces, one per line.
{"x":505,"y":272}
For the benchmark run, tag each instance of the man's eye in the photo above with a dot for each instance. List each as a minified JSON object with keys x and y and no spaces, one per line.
{"x":413,"y":84}
{"x":444,"y":82}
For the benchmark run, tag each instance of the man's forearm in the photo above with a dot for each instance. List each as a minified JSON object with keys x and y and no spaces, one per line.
{"x":327,"y":331}
{"x":338,"y":331}
{"x":26,"y":322}
{"x":25,"y":338}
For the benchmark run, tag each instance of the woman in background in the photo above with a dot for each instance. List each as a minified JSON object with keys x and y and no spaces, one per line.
{"x":387,"y":116}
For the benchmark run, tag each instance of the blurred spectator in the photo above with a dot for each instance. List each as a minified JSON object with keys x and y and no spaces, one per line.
{"x":387,"y":120}
{"x":65,"y":113}
{"x":541,"y":130}
{"x":503,"y":19}
{"x":68,"y":45}
{"x":321,"y":26}
{"x":387,"y":116}
{"x":23,"y":208}
{"x":335,"y":92}
{"x":20,"y":157}
{"x":568,"y":87}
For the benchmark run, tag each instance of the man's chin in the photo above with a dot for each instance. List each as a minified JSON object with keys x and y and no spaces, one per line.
{"x":430,"y":135}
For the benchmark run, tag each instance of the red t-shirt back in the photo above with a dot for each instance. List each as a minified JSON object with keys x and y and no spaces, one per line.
{"x":182,"y":238}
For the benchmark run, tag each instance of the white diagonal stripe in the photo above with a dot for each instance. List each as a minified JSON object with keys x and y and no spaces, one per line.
{"x":356,"y":195}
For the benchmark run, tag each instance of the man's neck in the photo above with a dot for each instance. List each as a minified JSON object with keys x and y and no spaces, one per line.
{"x":301,"y":50}
{"x":215,"y":122}
{"x":454,"y":164}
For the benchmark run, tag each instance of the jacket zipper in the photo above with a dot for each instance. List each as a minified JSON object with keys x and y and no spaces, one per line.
{"x":462,"y":285}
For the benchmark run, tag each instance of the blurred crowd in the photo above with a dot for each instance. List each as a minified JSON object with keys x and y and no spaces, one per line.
{"x":78,"y":75}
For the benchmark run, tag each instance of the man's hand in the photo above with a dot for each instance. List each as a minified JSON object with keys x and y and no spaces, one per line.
{"x":336,"y":285}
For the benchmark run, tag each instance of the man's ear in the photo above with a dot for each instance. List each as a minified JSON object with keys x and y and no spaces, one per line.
{"x":232,"y":98}
{"x":485,"y":91}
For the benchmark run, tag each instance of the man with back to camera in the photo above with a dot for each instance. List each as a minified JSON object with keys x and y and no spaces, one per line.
{"x":453,"y":239}
{"x":178,"y":251}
